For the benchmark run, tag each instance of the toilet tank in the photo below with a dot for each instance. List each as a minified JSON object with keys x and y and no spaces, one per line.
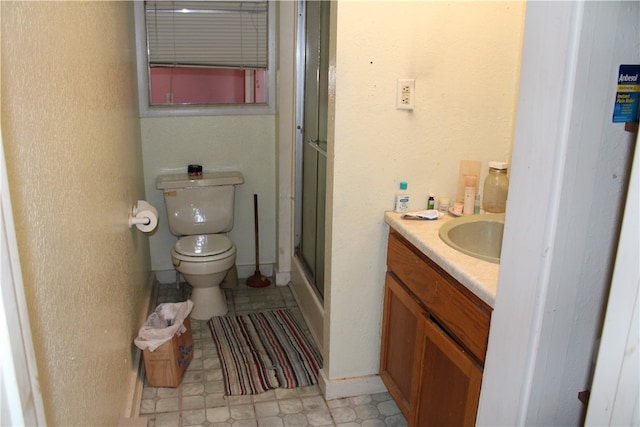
{"x":199,"y":206}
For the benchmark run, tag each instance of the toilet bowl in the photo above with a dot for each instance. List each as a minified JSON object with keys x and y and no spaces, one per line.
{"x":204,"y":261}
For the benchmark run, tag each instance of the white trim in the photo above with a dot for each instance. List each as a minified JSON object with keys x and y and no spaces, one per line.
{"x":245,"y":271}
{"x":286,"y":131}
{"x":165,"y":276}
{"x":309,"y":304}
{"x":137,"y":377}
{"x":615,"y":393}
{"x":283,"y":279}
{"x":20,"y":395}
{"x":249,"y":86}
{"x":565,"y":107}
{"x":349,"y":387}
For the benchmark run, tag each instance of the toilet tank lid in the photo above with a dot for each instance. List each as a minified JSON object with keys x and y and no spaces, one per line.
{"x":182,"y":180}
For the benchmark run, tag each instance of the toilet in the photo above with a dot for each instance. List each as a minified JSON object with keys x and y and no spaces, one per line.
{"x":200,"y":213}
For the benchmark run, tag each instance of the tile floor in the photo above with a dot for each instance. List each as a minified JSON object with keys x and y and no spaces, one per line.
{"x":200,"y":399}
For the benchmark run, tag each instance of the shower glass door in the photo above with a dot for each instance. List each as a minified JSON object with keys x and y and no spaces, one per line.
{"x":311,"y":144}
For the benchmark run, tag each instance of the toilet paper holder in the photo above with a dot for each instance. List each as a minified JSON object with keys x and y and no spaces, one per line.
{"x":144,"y":216}
{"x":135,"y":220}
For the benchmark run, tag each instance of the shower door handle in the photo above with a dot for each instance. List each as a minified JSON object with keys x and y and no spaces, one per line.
{"x":315,"y":144}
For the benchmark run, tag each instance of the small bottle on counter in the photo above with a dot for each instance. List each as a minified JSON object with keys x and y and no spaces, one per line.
{"x":402,"y":199}
{"x":476,"y":205}
{"x":431,"y":201}
{"x":496,"y":187}
{"x":469,"y":194}
{"x":443,"y":204}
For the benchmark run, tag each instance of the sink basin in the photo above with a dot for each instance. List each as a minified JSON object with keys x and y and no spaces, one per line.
{"x":479,"y":236}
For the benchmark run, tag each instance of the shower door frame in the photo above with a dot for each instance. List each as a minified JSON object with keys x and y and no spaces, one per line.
{"x":313,"y":269}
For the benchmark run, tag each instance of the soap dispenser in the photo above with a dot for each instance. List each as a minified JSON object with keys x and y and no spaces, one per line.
{"x":496,"y":187}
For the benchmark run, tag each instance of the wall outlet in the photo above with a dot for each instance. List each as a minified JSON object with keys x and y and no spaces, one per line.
{"x":405,"y":94}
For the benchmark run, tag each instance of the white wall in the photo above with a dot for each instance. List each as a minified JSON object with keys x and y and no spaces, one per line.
{"x":569,"y":177}
{"x":244,"y":143}
{"x":465,"y":59}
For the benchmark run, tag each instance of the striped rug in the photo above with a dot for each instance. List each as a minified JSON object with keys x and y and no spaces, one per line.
{"x":263,"y":351}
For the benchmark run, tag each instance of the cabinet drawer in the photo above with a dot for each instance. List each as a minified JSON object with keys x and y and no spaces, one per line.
{"x":453,"y":306}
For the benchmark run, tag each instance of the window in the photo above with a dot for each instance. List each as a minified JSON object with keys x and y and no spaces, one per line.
{"x":205,"y":57}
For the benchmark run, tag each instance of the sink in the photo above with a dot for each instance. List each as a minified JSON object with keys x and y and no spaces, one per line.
{"x":479,"y":236}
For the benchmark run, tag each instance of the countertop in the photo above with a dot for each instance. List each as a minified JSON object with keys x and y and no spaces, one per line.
{"x":480,"y":277}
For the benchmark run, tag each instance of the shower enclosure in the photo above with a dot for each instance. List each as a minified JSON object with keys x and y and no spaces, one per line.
{"x":311,"y":144}
{"x":311,"y":152}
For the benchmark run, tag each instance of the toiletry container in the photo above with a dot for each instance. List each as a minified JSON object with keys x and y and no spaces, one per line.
{"x":470,"y":182}
{"x":402,"y":199}
{"x":457,"y":208}
{"x":496,"y":186}
{"x":443,"y":204}
{"x":431,"y":201}
{"x":476,"y":205}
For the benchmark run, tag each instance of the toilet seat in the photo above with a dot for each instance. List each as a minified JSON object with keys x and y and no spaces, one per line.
{"x":203,"y":248}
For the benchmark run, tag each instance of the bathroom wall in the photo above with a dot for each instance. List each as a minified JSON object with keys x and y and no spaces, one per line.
{"x":244,"y":143}
{"x":74,"y":161}
{"x":465,"y":58}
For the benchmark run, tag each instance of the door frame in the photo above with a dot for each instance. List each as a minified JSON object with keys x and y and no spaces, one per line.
{"x":21,"y":399}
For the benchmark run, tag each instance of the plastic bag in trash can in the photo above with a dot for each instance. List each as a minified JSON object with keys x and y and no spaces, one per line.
{"x":163,"y":324}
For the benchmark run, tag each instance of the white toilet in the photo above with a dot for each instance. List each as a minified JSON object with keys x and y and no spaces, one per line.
{"x":200,"y":211}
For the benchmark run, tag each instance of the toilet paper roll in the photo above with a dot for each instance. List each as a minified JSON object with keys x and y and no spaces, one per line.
{"x":145,"y":217}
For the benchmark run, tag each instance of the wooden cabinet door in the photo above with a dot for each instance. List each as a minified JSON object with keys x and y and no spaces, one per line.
{"x":401,"y":319}
{"x":448,"y":383}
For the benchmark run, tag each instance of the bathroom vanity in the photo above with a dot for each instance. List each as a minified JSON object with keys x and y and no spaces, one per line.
{"x":437,"y":312}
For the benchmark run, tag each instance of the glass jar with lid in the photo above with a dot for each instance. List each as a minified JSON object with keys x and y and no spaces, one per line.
{"x":496,"y":187}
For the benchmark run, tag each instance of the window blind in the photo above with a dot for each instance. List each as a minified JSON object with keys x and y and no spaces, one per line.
{"x":215,"y":33}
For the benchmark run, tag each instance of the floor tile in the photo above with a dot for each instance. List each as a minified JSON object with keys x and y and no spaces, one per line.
{"x":200,"y":398}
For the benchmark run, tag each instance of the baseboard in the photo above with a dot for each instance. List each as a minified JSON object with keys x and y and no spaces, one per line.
{"x":133,"y":422}
{"x":166,"y":276}
{"x":349,"y":387}
{"x":244,"y":271}
{"x":137,"y":381}
{"x":283,"y":279}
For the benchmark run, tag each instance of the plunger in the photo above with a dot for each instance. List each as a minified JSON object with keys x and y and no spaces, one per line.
{"x":257,"y":280}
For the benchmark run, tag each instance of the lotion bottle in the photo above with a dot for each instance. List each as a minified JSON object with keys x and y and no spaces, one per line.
{"x":469,"y":194}
{"x":402,"y":199}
